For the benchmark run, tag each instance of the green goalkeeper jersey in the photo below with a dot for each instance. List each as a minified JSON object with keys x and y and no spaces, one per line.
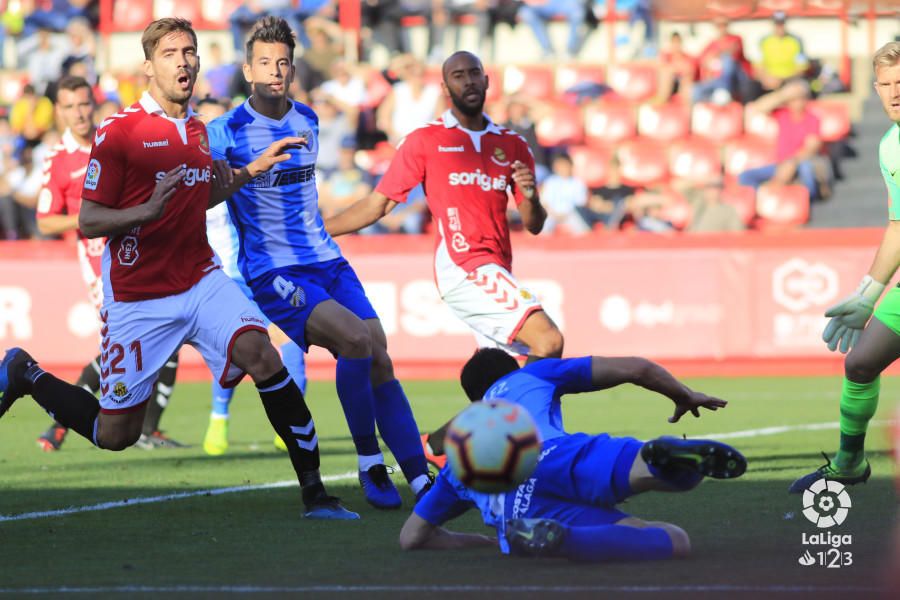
{"x":889,"y":161}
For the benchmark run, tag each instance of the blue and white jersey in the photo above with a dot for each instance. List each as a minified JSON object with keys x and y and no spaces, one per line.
{"x":538,"y":387}
{"x":277,"y":213}
{"x":223,"y":238}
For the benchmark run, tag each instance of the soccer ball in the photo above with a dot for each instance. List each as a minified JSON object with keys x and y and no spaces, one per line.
{"x":492,"y":446}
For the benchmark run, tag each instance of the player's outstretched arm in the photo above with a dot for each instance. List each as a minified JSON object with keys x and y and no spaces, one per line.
{"x":361,"y":213}
{"x":419,"y":534}
{"x":228,"y":183}
{"x":97,"y":220}
{"x":610,"y":372}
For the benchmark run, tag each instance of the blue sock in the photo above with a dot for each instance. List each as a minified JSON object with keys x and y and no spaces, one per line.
{"x":616,"y":542}
{"x":221,"y":399}
{"x":293,"y":359}
{"x":354,"y":388}
{"x":399,"y":430}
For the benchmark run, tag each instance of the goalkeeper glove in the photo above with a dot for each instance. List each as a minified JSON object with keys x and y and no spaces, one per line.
{"x":849,"y":317}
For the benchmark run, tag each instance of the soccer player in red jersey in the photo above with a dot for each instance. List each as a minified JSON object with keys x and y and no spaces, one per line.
{"x":466,"y":163}
{"x":148,"y":185}
{"x":57,"y":214}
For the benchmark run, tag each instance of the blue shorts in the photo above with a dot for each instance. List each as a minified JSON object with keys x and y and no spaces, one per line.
{"x":288,"y":295}
{"x":578,"y":481}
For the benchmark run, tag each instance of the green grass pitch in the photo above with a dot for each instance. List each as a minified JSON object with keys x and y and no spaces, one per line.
{"x":746,"y":533}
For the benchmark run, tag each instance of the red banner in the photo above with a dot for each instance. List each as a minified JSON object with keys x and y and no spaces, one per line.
{"x":708,"y":301}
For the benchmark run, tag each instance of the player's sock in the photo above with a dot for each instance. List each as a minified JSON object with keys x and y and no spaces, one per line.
{"x":90,"y":376}
{"x":401,"y":434}
{"x":354,"y":388}
{"x":71,"y":406}
{"x":858,"y":404}
{"x":291,"y":419}
{"x":294,"y":361}
{"x":616,"y":542}
{"x":159,"y":400}
{"x":221,"y":400}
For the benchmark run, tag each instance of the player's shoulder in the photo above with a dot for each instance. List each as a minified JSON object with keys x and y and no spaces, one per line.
{"x":231,"y":122}
{"x":423,"y":133}
{"x":511,"y":135}
{"x":305,"y":111}
{"x":891,"y":135}
{"x":117,"y":123}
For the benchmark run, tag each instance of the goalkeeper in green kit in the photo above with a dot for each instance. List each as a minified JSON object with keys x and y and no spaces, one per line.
{"x":872,"y":344}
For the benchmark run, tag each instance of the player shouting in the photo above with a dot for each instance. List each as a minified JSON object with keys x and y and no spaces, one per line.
{"x":148,"y":185}
{"x":296,"y":272}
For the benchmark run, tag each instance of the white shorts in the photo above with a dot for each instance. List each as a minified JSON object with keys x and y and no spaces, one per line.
{"x":494,"y":305}
{"x":139,"y":337}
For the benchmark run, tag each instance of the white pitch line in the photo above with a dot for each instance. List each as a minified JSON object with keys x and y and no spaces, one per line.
{"x":342,"y":589}
{"x":165,"y":498}
{"x":731,"y":435}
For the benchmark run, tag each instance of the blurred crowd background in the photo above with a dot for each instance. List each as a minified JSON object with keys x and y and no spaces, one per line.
{"x":725,"y":117}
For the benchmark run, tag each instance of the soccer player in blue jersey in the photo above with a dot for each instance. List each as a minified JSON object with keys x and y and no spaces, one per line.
{"x":567,"y":507}
{"x":296,"y":272}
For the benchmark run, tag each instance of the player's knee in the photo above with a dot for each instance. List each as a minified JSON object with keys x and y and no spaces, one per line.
{"x":858,"y":369}
{"x":382,"y":366}
{"x":355,"y":343}
{"x":681,"y":543}
{"x":118,"y":440}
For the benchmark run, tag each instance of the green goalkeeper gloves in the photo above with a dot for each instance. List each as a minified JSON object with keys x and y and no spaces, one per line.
{"x":849,"y":317}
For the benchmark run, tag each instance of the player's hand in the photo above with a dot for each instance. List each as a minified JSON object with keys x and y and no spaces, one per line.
{"x":274,"y":154}
{"x":850,"y":315}
{"x":693,"y":403}
{"x":223,"y":174}
{"x":163,"y":192}
{"x":524,"y":178}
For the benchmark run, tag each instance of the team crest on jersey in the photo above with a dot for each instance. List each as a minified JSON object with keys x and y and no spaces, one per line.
{"x":526,"y":295}
{"x":93,"y":175}
{"x":204,"y":144}
{"x":499,"y":157}
{"x":128,"y":251}
{"x":120,"y":389}
{"x":298,"y":298}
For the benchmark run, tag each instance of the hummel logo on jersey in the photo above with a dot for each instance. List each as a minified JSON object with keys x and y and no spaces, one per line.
{"x":482,"y":180}
{"x":451,"y":149}
{"x":156,"y":144}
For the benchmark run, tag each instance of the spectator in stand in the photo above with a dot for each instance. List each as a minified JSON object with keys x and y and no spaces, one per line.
{"x":314,"y":67}
{"x":723,"y":66}
{"x":44,"y":57}
{"x":782,"y":56}
{"x":537,"y":13}
{"x":382,"y":22}
{"x":519,"y":119}
{"x":708,"y":212}
{"x":82,"y":48}
{"x":609,"y":204}
{"x":334,"y":129}
{"x":446,"y":15}
{"x":53,"y":15}
{"x":411,"y":103}
{"x":250,"y":11}
{"x":345,"y":185}
{"x":31,"y":115}
{"x":19,"y":188}
{"x":678,"y":70}
{"x":345,"y":90}
{"x":798,"y":143}
{"x":564,"y":194}
{"x":12,"y":20}
{"x":217,"y":73}
{"x":637,"y":10}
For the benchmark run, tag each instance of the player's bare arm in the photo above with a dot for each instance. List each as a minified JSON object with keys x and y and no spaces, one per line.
{"x":419,"y":534}
{"x":277,"y":152}
{"x":610,"y":372}
{"x":96,"y":220}
{"x":531,"y":210}
{"x":57,"y":224}
{"x":359,"y":214}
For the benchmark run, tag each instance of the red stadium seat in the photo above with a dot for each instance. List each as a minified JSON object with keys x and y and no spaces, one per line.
{"x":377,"y":160}
{"x":760,"y":124}
{"x":729,"y":8}
{"x":834,"y":118}
{"x":609,"y":122}
{"x":783,"y":205}
{"x":132,"y":15}
{"x":747,"y":152}
{"x":561,"y":126}
{"x":536,"y":82}
{"x":664,"y":122}
{"x":825,"y":7}
{"x":765,"y":8}
{"x":695,"y":160}
{"x":643,"y":162}
{"x":591,"y":165}
{"x":570,"y":75}
{"x":674,"y":208}
{"x":717,"y":123}
{"x":743,"y":199}
{"x":633,"y":81}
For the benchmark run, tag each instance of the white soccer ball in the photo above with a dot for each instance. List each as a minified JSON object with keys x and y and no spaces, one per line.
{"x":492,"y":446}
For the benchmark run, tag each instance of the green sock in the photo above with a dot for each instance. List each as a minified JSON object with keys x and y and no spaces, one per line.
{"x":858,"y":404}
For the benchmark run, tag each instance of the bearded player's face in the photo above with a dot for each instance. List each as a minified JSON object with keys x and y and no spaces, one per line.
{"x":270,"y":70}
{"x":466,"y":84}
{"x":174,"y":66}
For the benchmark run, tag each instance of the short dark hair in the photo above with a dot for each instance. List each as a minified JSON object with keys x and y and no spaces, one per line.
{"x":72,"y":83}
{"x":485,"y":367}
{"x":160,"y":28}
{"x":271,"y":30}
